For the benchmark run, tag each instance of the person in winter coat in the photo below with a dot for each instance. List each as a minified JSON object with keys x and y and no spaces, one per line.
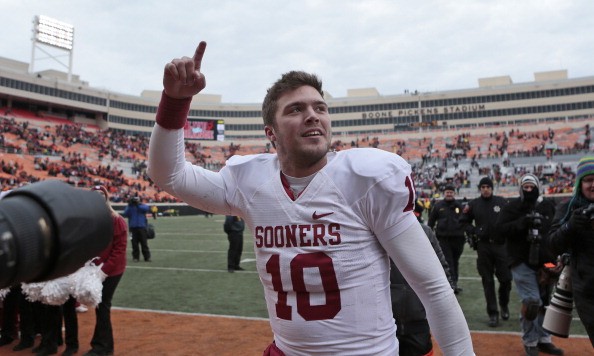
{"x":572,"y":232}
{"x":492,"y":258}
{"x":136,"y":213}
{"x":113,"y":265}
{"x":522,"y":224}
{"x":233,"y":227}
{"x":444,"y":219}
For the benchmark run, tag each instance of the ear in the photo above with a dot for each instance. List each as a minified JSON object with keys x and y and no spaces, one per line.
{"x":270,"y":135}
{"x":269,"y":131}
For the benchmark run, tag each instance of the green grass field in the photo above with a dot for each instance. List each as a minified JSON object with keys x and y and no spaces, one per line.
{"x":189,"y":274}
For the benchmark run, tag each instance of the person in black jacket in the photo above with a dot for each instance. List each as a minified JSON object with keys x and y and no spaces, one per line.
{"x":233,"y":227}
{"x":572,"y":232}
{"x":491,"y":254}
{"x":412,"y":328}
{"x":449,"y":230}
{"x":522,"y":224}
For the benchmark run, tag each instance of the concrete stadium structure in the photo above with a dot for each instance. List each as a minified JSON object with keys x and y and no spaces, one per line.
{"x":551,"y":100}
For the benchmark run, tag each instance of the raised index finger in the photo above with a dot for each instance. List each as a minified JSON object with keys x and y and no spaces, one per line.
{"x":199,"y":54}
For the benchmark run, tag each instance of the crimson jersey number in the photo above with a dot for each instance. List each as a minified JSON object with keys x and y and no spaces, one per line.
{"x":307,"y":311}
{"x":324,"y":264}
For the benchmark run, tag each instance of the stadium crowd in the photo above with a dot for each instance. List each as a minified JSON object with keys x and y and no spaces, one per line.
{"x":33,"y":150}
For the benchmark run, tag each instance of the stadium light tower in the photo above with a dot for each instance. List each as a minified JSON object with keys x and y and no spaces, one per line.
{"x":53,"y":33}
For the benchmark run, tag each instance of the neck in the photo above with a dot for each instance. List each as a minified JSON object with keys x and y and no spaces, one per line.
{"x":298,"y":169}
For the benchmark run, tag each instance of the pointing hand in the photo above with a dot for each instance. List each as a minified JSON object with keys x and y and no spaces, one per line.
{"x":182,"y":77}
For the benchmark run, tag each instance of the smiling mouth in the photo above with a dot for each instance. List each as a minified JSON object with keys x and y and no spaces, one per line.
{"x":312,"y":134}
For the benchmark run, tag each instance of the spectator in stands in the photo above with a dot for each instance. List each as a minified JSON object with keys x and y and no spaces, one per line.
{"x":444,"y":219}
{"x":113,"y":261}
{"x":572,"y":233}
{"x":520,"y":224}
{"x":136,"y":213}
{"x":492,"y":254}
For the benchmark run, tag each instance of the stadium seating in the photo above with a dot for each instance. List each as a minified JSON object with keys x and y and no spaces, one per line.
{"x":85,"y":155}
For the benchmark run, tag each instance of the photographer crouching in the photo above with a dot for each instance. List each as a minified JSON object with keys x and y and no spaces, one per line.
{"x":136,"y":213}
{"x":523,"y":223}
{"x":572,"y":232}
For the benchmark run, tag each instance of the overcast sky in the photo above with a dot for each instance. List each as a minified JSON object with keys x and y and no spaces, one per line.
{"x":393,"y":45}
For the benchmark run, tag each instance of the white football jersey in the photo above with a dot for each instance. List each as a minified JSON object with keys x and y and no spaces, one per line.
{"x":320,"y":257}
{"x":325,"y":274}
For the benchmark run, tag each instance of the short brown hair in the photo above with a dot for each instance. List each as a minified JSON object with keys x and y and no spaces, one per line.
{"x":288,"y":81}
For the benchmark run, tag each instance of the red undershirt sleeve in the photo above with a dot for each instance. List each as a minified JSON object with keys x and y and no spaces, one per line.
{"x":172,"y":113}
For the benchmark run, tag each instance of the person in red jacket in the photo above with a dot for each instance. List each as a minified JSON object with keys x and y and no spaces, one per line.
{"x":113,"y":260}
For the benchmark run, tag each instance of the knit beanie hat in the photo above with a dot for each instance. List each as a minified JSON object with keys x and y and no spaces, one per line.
{"x":585,"y":167}
{"x":529,"y":178}
{"x":486,"y":181}
{"x":449,"y":186}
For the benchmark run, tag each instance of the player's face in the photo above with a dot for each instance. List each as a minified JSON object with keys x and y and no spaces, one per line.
{"x":302,"y":131}
{"x":588,"y":187}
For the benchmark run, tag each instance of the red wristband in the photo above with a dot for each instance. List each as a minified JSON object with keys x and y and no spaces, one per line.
{"x":172,"y":113}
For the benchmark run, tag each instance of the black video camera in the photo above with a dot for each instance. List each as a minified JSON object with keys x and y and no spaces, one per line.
{"x":134,"y":201}
{"x":534,"y":237}
{"x":49,"y":229}
{"x":535,"y":219}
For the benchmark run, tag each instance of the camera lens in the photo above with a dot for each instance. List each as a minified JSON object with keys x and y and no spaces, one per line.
{"x":49,"y":229}
{"x":26,"y":241}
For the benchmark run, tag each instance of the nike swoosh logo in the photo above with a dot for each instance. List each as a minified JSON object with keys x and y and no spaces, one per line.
{"x":317,"y":216}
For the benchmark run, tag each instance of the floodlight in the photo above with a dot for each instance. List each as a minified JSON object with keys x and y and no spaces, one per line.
{"x":53,"y":32}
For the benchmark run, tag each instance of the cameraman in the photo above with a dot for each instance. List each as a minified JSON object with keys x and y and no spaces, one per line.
{"x":521,"y":224}
{"x":572,"y":232}
{"x":137,"y":223}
